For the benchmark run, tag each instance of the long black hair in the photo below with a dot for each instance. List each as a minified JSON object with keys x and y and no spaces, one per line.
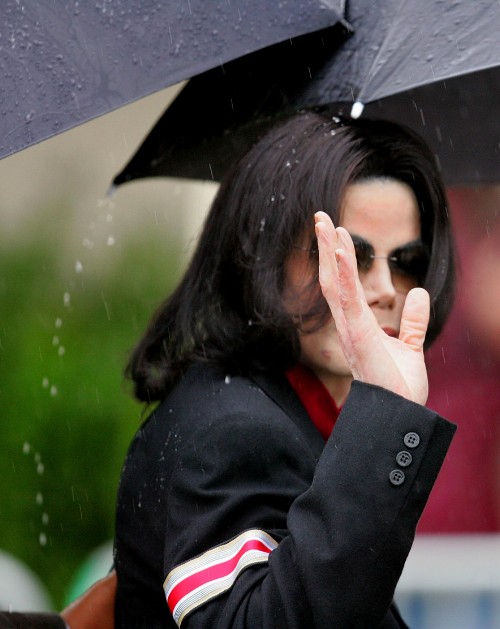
{"x":228,"y":308}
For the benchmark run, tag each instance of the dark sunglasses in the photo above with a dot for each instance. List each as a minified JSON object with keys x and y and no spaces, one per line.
{"x":411,"y":260}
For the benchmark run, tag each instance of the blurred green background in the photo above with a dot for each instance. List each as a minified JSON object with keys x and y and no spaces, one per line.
{"x":80,"y":275}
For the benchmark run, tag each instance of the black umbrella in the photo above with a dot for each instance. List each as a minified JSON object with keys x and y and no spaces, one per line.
{"x":432,"y":64}
{"x":63,"y":63}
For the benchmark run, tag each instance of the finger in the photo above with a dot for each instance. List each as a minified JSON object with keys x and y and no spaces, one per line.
{"x":360,"y":333}
{"x":349,"y":293}
{"x":361,"y":324}
{"x":415,"y":318}
{"x":328,"y":272}
{"x":346,"y":243}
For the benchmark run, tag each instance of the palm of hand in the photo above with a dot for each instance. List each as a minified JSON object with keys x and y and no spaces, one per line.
{"x":373,"y":356}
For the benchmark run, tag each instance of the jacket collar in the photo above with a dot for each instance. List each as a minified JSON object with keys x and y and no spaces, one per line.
{"x":277,"y":387}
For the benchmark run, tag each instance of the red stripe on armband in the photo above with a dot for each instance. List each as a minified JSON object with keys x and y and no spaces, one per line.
{"x":193,"y":583}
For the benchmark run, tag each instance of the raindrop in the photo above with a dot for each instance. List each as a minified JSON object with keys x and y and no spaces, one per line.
{"x":45,"y":383}
{"x":58,"y":323}
{"x":111,"y":241}
{"x":53,"y":391}
{"x":333,"y":132}
{"x":40,"y":468}
{"x":39,"y":498}
{"x":61,"y":351}
{"x":227,"y":379}
{"x":42,"y":539}
{"x":78,"y":266}
{"x":66,"y":299}
{"x":288,"y":165}
{"x":262,"y":224}
{"x":45,"y":518}
{"x":88,"y":244}
{"x":109,"y":218}
{"x":26,"y":448}
{"x":55,"y":341}
{"x":273,"y":199}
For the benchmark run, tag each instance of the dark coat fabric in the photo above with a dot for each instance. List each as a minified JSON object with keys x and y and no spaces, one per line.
{"x":17,"y":620}
{"x":223,"y":455}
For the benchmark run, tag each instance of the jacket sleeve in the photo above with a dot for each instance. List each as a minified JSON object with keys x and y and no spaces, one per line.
{"x":261,"y":534}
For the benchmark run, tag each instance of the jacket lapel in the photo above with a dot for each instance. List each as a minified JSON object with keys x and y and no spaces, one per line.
{"x":277,"y":387}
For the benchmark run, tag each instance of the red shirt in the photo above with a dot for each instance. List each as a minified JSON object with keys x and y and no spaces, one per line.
{"x":317,"y":401}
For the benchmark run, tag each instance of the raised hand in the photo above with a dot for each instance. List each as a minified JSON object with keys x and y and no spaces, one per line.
{"x":373,"y":356}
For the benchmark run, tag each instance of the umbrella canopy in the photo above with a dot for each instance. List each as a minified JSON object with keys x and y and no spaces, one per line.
{"x":431,"y":64}
{"x":63,"y":63}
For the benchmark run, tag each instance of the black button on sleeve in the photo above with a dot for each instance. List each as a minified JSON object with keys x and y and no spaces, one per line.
{"x":397,"y":477}
{"x":411,"y":440}
{"x":404,"y":458}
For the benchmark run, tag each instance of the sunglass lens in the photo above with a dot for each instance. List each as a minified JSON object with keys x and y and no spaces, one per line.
{"x":412,"y":261}
{"x":364,"y":254}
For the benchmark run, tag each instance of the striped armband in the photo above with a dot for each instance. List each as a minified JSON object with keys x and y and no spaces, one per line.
{"x":199,"y":580}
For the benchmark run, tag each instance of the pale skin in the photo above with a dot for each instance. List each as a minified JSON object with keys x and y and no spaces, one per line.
{"x":379,"y":321}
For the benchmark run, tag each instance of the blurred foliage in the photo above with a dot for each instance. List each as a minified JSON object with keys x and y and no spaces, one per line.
{"x":67,"y":414}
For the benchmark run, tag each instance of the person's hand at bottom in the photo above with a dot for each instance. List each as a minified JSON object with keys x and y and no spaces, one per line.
{"x":95,"y":608}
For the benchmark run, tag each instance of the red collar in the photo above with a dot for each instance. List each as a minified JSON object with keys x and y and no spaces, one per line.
{"x":317,"y":401}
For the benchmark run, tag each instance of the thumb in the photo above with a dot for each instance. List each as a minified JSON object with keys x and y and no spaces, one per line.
{"x":415,"y":318}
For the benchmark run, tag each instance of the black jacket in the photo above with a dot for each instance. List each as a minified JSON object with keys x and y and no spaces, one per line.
{"x":224,"y":455}
{"x":30,"y":620}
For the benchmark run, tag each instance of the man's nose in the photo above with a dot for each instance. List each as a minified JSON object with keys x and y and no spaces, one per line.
{"x":378,"y":284}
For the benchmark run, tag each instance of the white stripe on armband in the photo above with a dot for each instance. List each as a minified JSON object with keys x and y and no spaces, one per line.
{"x":197,"y":581}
